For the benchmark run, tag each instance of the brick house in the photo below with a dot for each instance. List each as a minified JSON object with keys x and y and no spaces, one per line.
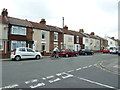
{"x":56,"y":37}
{"x":3,"y":34}
{"x":19,"y":33}
{"x":78,"y":40}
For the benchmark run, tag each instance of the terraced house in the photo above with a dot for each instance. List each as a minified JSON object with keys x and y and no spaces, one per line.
{"x":41,"y":37}
{"x":18,"y":33}
{"x":68,"y":38}
{"x":56,"y":37}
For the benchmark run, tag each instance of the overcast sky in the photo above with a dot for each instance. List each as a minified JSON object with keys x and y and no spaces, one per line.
{"x":99,"y":16}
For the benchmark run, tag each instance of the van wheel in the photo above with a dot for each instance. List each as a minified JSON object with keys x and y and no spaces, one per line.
{"x":37,"y":57}
{"x":17,"y":58}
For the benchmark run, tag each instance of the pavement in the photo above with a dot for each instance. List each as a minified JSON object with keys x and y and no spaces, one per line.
{"x":111,"y":65}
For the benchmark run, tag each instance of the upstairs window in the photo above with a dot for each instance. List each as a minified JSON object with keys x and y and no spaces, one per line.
{"x":77,"y":40}
{"x":86,"y":40}
{"x":43,"y":35}
{"x":55,"y":36}
{"x":69,"y":39}
{"x":18,"y":30}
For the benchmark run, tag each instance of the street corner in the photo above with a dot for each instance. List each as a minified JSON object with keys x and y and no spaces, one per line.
{"x":110,"y":66}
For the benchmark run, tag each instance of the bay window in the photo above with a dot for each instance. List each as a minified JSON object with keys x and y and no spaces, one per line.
{"x":16,"y":44}
{"x":18,"y":30}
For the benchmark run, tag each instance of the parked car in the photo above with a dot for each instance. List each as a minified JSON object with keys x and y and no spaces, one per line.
{"x":86,"y":52}
{"x":24,"y":53}
{"x":113,"y":50}
{"x":68,"y":52}
{"x":106,"y":51}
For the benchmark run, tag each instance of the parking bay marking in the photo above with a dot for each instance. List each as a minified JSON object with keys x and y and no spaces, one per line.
{"x":94,"y":82}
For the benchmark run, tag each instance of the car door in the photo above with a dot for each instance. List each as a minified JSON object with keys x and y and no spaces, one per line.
{"x":22,"y":52}
{"x":30,"y":53}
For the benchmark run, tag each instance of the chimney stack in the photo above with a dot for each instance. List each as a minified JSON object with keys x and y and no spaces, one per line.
{"x":92,"y":33}
{"x":81,"y":30}
{"x":43,"y":21}
{"x":4,"y":12}
{"x":65,"y":27}
{"x":113,"y":37}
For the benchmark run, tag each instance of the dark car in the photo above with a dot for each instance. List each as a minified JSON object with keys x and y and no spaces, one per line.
{"x":86,"y":52}
{"x":68,"y":52}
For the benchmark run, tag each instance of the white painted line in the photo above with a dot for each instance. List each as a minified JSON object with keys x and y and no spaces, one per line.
{"x":10,"y":86}
{"x":51,"y":81}
{"x":31,"y":81}
{"x":58,"y":74}
{"x":48,"y":77}
{"x":44,"y":78}
{"x":95,"y":64}
{"x":70,"y":71}
{"x":85,"y":67}
{"x":38,"y":85}
{"x":94,"y":82}
{"x":90,"y":66}
{"x":78,"y":69}
{"x":69,"y":75}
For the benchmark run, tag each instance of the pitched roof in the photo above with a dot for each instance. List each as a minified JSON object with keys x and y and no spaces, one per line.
{"x":77,"y":33}
{"x":65,"y":31}
{"x":100,"y":37}
{"x":19,"y":22}
{"x":39,"y":25}
{"x":54,"y":29}
{"x":93,"y":36}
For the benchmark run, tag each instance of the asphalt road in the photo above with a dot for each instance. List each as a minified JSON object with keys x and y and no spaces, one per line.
{"x":72,"y":72}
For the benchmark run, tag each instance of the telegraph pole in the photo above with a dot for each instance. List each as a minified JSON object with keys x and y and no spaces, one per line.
{"x":63,"y":21}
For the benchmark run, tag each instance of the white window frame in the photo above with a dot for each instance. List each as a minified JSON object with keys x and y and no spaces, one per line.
{"x":21,"y":42}
{"x":2,"y":44}
{"x":18,"y":28}
{"x":70,"y":39}
{"x":77,"y":39}
{"x":56,"y":35}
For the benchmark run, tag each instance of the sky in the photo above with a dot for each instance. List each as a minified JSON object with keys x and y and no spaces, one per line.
{"x":99,"y":16}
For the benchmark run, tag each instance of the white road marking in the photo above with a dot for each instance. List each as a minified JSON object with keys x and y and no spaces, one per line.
{"x":31,"y":81}
{"x":44,"y":78}
{"x":10,"y":86}
{"x":38,"y":85}
{"x":58,"y":74}
{"x":69,"y":75}
{"x":85,"y":67}
{"x":51,"y":81}
{"x":94,"y":82}
{"x":95,"y":64}
{"x":70,"y":71}
{"x":78,"y":69}
{"x":90,"y":66}
{"x":48,"y":77}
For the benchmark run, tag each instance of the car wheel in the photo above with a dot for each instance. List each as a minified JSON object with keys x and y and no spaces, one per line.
{"x":38,"y":57}
{"x":66,"y":55}
{"x":17,"y":58}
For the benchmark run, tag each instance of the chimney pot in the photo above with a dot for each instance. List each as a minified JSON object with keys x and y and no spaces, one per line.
{"x":43,"y":21}
{"x":65,"y":27}
{"x":81,"y":30}
{"x":92,"y":33}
